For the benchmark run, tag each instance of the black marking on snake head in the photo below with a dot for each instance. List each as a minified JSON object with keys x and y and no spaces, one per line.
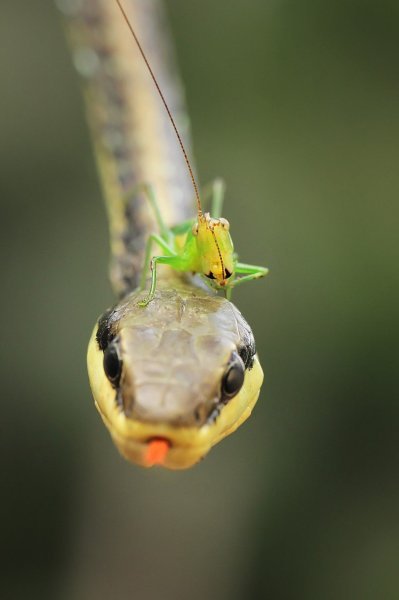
{"x":105,"y":333}
{"x":247,"y":353}
{"x":119,"y":401}
{"x":246,"y":347}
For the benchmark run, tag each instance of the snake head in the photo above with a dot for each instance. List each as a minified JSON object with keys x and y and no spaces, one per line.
{"x":173,"y":380}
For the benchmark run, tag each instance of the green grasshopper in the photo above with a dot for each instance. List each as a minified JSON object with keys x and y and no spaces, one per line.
{"x":202,"y":245}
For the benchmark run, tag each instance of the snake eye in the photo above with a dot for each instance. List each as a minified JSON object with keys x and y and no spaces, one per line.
{"x":112,"y":364}
{"x":233,"y":377}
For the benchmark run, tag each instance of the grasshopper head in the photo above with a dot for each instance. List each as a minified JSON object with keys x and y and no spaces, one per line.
{"x":215,"y":248}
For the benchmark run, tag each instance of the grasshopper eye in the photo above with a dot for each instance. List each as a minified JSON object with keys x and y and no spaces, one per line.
{"x":233,"y":377}
{"x":112,"y":364}
{"x":194,"y":228}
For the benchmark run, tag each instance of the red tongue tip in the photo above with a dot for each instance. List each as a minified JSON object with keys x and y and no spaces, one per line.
{"x":156,"y":451}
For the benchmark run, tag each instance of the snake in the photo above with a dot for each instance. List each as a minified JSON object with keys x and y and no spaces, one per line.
{"x":172,"y":379}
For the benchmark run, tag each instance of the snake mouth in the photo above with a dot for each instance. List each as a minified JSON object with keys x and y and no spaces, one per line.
{"x":174,"y":449}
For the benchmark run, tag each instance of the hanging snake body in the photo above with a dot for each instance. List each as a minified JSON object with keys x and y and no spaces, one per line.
{"x":162,"y":373}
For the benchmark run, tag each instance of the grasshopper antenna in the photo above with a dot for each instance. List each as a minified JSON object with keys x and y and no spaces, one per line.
{"x":165,"y":105}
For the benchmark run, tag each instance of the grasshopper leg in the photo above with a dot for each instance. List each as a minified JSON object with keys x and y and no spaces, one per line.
{"x":153,"y":239}
{"x":215,"y":190}
{"x":173,"y":261}
{"x":148,"y":191}
{"x":248,"y":272}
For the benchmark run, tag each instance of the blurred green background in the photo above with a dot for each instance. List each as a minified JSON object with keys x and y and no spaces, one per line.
{"x":296,"y":105}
